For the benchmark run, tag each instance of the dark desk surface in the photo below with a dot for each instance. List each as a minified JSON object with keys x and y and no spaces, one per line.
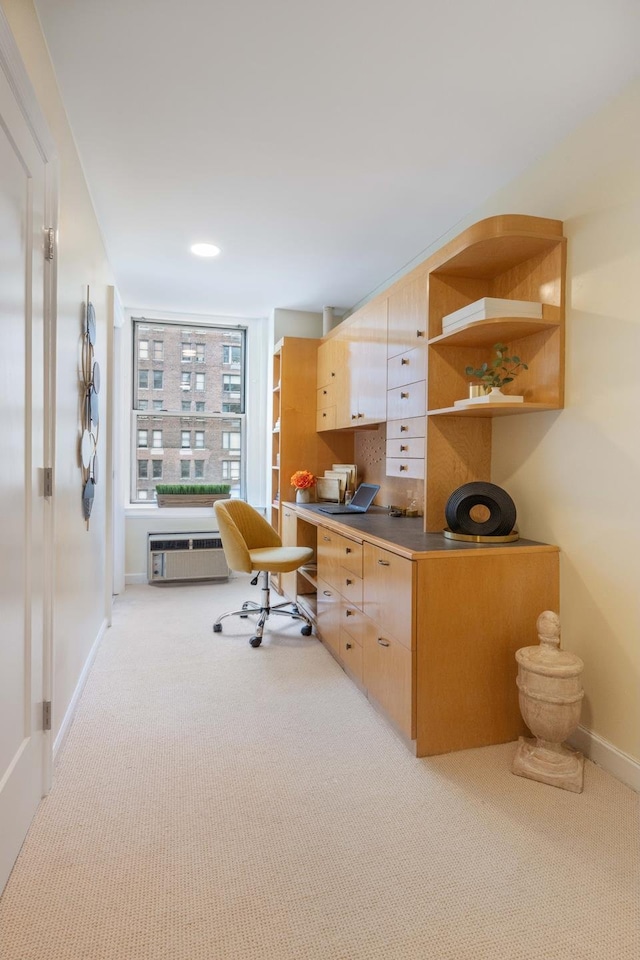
{"x":402,"y":535}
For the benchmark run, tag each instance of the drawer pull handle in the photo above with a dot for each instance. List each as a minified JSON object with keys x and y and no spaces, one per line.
{"x":348,"y":646}
{"x":353,"y":416}
{"x":347,"y":549}
{"x":349,"y":613}
{"x":403,"y":428}
{"x":404,"y":396}
{"x":348,"y":582}
{"x":332,"y":374}
{"x":324,"y":414}
{"x":404,"y":362}
{"x":403,"y":446}
{"x":383,"y":643}
{"x":328,"y":539}
{"x":360,"y":415}
{"x":419,"y":333}
{"x":324,"y":392}
{"x":327,"y":593}
{"x":402,"y":467}
{"x":384,"y":563}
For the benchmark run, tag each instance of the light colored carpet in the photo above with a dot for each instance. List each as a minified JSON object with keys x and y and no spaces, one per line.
{"x":215,"y":801}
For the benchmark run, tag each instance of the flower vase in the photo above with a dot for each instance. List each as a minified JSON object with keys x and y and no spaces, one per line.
{"x":303,"y":496}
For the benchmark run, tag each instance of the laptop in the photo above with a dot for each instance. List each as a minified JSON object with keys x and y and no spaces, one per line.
{"x":362,"y":500}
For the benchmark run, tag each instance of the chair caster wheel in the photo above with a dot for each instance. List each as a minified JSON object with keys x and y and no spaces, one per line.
{"x":217,"y":628}
{"x":306,"y":630}
{"x":255,"y":641}
{"x":294,"y":608}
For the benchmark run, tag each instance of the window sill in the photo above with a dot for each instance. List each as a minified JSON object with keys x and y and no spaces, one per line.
{"x":144,"y":511}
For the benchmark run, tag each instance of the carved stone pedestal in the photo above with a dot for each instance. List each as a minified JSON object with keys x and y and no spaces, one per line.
{"x":550,"y":693}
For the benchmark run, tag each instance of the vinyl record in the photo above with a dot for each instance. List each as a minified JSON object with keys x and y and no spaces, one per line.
{"x":95,"y":377}
{"x":502,"y":510}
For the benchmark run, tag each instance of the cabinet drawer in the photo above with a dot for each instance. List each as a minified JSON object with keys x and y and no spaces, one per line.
{"x":404,"y":467}
{"x":350,"y":554}
{"x":409,"y":427}
{"x":326,"y":419}
{"x":387,"y":673}
{"x":326,"y":397}
{"x":351,"y":588}
{"x":388,"y":592}
{"x":352,"y":621}
{"x":413,"y":447}
{"x":407,"y":401}
{"x":337,"y":556}
{"x":328,"y":616}
{"x":407,"y":367}
{"x":351,"y":656}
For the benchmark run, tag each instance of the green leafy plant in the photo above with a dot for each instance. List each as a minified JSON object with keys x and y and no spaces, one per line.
{"x":500,"y":371}
{"x":191,"y":488}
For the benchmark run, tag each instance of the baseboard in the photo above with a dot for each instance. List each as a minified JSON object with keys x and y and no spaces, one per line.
{"x":620,"y":765}
{"x":71,"y":709}
{"x":135,"y":578}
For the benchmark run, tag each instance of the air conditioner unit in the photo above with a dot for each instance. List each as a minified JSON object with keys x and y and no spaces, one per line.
{"x":186,"y":556}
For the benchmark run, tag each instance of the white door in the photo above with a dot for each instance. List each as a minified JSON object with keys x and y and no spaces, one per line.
{"x":23,"y":758}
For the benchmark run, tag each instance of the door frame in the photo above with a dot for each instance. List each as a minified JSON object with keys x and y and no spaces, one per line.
{"x":14,"y":69}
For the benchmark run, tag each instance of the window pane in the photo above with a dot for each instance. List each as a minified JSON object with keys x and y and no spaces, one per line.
{"x":193,"y":357}
{"x":143,"y":349}
{"x":185,"y":468}
{"x":185,"y":439}
{"x":143,"y":469}
{"x":143,"y":495}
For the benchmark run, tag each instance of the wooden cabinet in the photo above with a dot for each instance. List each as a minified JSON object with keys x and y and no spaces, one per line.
{"x":295,"y":443}
{"x":431,"y":638}
{"x":407,"y":316}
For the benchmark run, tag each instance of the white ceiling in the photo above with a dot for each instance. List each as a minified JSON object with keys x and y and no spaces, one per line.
{"x":321,"y":145}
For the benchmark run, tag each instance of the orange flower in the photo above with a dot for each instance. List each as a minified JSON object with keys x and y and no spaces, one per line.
{"x":303,"y":480}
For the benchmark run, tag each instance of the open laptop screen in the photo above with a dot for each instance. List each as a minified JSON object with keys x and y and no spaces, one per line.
{"x":364,"y":495}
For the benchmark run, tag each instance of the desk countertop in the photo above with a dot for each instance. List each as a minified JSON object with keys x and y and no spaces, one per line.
{"x":404,"y":535}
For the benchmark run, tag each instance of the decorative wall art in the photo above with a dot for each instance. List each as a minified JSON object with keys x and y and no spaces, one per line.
{"x":90,"y":422}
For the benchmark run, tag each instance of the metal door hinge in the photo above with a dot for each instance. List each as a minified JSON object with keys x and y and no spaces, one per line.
{"x":47,"y":477}
{"x":49,"y":243}
{"x":46,"y":715}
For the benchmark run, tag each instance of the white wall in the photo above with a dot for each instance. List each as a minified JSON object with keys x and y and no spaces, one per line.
{"x":295,"y":323}
{"x":79,"y":575}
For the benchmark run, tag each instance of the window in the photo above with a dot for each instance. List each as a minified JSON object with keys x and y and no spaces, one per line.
{"x":143,"y":469}
{"x":188,"y":360}
{"x":143,"y":494}
{"x":230,"y":441}
{"x":230,"y":469}
{"x":185,"y":469}
{"x":231,"y":354}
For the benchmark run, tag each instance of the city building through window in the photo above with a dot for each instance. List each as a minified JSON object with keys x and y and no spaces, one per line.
{"x":175,"y":359}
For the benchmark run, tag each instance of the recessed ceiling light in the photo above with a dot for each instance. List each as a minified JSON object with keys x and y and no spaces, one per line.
{"x":205,"y":250}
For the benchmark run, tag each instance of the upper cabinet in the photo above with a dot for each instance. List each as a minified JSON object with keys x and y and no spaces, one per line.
{"x":407,"y":324}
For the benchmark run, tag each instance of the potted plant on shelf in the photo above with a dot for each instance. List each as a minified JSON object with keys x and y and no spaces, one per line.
{"x":190,"y":494}
{"x":303,"y":481}
{"x":493,"y":375}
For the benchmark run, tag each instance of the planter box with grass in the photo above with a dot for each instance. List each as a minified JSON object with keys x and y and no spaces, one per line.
{"x":191,"y":494}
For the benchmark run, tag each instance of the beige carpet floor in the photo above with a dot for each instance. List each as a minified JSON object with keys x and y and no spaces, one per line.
{"x":215,"y":802}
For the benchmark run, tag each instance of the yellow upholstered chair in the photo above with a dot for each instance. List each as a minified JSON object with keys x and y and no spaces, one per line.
{"x":251,"y":545}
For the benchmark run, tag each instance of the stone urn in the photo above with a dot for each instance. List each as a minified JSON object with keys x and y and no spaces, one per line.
{"x":550,"y":693}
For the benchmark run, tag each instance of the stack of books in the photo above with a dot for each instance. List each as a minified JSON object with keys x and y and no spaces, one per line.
{"x":490,"y":308}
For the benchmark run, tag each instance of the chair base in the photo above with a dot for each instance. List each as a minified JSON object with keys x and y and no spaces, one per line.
{"x":264,"y":610}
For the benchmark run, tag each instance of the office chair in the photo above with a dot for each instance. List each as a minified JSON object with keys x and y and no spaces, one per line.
{"x":251,"y":545}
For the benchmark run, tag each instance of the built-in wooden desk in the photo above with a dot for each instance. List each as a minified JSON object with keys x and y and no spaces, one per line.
{"x":427,"y":627}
